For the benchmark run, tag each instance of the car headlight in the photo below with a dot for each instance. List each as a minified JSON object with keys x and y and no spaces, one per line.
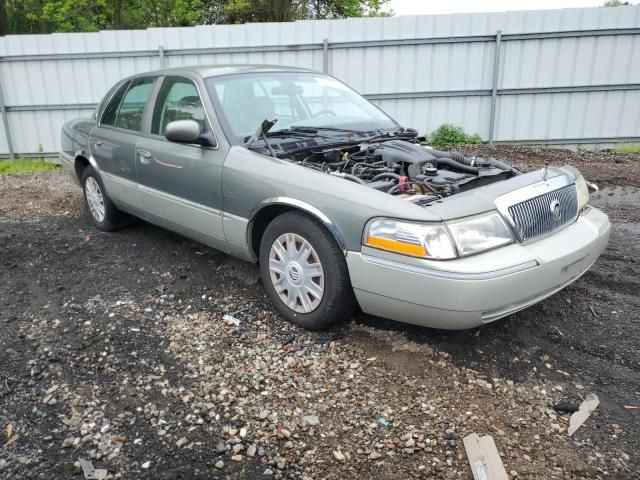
{"x":583,"y":192}
{"x":426,"y":240}
{"x":438,"y":241}
{"x":479,"y":233}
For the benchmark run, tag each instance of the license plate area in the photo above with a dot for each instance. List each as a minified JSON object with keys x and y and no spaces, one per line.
{"x":573,"y":269}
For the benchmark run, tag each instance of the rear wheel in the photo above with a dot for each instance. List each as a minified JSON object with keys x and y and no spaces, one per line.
{"x":304,"y":272}
{"x":102,"y":211}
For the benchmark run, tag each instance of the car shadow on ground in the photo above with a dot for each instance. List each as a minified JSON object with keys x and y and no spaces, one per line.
{"x":489,"y":349}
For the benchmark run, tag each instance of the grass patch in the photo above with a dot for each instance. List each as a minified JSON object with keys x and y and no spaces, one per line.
{"x":627,"y":148}
{"x":26,"y":165}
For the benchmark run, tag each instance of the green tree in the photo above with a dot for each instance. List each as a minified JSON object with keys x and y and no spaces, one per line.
{"x":45,"y":16}
{"x":76,"y":15}
{"x":162,"y":13}
{"x":242,"y":11}
{"x":4,"y":21}
{"x":321,"y":9}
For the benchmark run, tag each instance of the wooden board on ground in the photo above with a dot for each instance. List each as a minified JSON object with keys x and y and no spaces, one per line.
{"x":484,"y":458}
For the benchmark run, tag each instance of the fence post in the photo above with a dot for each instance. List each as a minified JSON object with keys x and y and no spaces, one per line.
{"x":494,"y":88}
{"x":5,"y":121}
{"x":325,"y":55}
{"x":161,"y":55}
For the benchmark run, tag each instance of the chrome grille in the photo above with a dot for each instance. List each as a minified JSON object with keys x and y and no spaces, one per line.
{"x":535,"y":218}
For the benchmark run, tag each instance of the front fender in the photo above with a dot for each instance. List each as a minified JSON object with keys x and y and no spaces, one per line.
{"x":299,"y":205}
{"x":250,"y":181}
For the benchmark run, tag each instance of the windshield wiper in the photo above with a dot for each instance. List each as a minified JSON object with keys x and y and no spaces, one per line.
{"x":285,"y":132}
{"x":390,"y":134}
{"x":264,"y":133}
{"x":310,"y":129}
{"x":261,"y":132}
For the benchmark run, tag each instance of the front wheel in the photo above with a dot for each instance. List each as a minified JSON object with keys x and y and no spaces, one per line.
{"x":304,"y":272}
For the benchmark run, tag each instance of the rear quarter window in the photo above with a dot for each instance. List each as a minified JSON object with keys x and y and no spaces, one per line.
{"x":111,"y":110}
{"x":100,"y":107}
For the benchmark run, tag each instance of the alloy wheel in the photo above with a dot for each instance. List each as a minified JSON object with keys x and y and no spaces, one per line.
{"x":95,"y":199}
{"x":296,"y":273}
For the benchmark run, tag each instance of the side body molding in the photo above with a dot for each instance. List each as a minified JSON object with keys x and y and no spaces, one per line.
{"x":300,"y":205}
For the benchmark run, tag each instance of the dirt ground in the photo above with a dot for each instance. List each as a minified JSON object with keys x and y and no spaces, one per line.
{"x":116,"y":348}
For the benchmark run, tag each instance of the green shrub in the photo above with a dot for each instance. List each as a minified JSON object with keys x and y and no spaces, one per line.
{"x":447,"y":135}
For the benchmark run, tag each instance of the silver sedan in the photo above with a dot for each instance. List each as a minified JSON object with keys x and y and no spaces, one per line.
{"x":340,"y":205}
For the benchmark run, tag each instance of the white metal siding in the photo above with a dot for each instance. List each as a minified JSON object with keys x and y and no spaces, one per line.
{"x":372,"y":70}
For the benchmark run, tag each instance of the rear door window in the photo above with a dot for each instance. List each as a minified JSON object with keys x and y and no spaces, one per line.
{"x":131,"y":109}
{"x":177,"y":99}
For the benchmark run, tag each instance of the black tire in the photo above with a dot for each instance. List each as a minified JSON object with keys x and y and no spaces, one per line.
{"x":113,"y":218}
{"x":338,"y":301}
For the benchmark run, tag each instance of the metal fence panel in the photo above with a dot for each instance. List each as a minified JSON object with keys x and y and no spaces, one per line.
{"x":546,"y":117}
{"x":426,"y":114}
{"x":563,"y":76}
{"x":570,"y":61}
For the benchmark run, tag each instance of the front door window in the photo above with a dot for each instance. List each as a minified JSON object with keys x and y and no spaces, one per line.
{"x":178,"y":99}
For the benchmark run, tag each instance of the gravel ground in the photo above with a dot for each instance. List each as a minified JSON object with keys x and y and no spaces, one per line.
{"x":115,"y":348}
{"x":603,"y":167}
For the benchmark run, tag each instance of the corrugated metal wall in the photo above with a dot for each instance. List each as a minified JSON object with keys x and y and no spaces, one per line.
{"x":564,"y":76}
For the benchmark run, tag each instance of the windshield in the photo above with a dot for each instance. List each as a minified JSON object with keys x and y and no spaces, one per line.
{"x":295,"y":99}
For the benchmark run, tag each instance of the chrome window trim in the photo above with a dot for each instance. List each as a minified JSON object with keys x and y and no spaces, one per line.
{"x":523,"y":194}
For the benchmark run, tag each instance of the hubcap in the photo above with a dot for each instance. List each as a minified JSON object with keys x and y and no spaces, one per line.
{"x":296,"y":273}
{"x":95,"y":199}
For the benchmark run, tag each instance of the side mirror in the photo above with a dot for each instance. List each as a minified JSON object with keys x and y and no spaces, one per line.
{"x":183,"y":131}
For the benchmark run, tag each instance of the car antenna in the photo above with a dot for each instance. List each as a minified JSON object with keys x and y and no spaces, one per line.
{"x":262,"y":131}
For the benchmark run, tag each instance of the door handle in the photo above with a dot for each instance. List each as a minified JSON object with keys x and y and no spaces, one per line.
{"x":144,"y":156}
{"x":97,"y":143}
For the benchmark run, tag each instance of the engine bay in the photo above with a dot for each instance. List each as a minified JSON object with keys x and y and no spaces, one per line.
{"x":403,"y":168}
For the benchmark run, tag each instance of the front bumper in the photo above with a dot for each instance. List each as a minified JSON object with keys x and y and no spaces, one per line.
{"x":475,"y":290}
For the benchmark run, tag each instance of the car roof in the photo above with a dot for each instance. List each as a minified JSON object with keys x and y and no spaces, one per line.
{"x":206,"y":71}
